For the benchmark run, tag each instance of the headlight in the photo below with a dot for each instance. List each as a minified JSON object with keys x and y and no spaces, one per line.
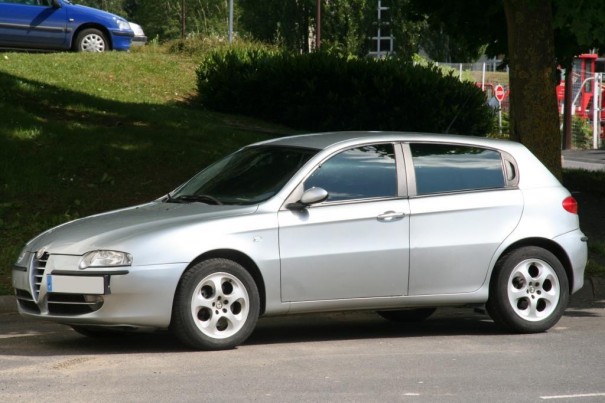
{"x":123,"y":25}
{"x":105,"y":258}
{"x":21,"y":260}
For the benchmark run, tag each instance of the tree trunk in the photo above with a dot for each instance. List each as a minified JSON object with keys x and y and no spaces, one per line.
{"x":533,"y":103}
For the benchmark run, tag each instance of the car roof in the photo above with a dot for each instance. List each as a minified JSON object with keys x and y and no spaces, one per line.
{"x":325,"y":140}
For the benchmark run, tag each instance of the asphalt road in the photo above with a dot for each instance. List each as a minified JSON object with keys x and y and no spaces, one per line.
{"x":455,"y":356}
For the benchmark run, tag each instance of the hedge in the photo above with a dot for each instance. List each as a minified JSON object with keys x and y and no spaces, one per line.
{"x":322,"y":92}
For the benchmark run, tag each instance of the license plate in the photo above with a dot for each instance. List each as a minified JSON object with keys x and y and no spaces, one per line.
{"x":75,"y":284}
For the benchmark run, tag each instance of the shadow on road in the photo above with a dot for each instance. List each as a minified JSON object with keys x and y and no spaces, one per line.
{"x":27,"y":338}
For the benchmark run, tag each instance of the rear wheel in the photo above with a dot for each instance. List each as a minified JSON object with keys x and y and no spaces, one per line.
{"x":216,"y":305}
{"x":529,"y":291}
{"x":91,"y":40}
{"x":408,"y":315}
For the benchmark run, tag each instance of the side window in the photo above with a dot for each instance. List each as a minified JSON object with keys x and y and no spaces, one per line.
{"x":443,"y":168}
{"x":358,"y":173}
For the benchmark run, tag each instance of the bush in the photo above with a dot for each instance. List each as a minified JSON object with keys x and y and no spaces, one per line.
{"x":198,"y":45}
{"x":321,"y":91}
{"x":581,"y":130}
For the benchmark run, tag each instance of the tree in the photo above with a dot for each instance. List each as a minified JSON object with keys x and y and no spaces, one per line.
{"x":113,"y":6}
{"x":535,"y":35}
{"x":533,"y":103}
{"x":285,"y":23}
{"x":347,"y":25}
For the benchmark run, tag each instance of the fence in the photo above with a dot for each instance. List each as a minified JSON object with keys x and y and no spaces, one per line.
{"x":588,"y":118}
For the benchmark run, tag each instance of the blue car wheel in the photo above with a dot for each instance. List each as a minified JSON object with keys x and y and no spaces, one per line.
{"x":91,"y":40}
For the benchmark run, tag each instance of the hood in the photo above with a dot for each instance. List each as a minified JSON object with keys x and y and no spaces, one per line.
{"x":117,"y":227}
{"x":80,"y":10}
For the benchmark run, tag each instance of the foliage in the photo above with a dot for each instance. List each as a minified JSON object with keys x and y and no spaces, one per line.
{"x":347,"y":26}
{"x":163,"y":18}
{"x":589,"y":188}
{"x":119,"y":7}
{"x":199,"y":46}
{"x":578,"y":180}
{"x":581,"y":133}
{"x":461,"y":31}
{"x":322,"y":91}
{"x":85,"y":133}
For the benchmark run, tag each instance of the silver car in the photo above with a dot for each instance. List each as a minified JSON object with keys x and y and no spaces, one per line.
{"x":398,"y":223}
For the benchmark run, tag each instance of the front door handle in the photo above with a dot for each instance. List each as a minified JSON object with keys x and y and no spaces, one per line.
{"x":390,"y":216}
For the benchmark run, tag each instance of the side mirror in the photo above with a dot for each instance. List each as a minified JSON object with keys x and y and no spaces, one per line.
{"x":310,"y":196}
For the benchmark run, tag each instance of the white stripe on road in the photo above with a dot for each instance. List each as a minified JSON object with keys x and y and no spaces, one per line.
{"x":573,"y":396}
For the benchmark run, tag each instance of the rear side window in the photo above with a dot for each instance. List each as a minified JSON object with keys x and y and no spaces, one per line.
{"x":444,"y":168}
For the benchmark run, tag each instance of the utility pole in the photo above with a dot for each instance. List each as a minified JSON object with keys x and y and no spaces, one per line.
{"x":230,"y":21}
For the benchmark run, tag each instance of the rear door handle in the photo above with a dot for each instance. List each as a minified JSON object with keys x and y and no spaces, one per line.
{"x":390,"y":216}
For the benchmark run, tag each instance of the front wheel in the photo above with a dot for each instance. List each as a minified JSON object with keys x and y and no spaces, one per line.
{"x":529,"y":291}
{"x":91,"y":40}
{"x":216,"y":305}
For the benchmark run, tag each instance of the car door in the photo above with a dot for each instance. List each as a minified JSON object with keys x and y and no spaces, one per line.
{"x":34,"y":24}
{"x":463,"y":204}
{"x":355,"y":244}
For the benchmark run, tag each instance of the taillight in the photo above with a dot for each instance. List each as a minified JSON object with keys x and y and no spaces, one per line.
{"x":571,"y":205}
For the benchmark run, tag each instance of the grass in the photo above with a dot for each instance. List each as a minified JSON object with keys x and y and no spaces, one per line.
{"x":84,"y":133}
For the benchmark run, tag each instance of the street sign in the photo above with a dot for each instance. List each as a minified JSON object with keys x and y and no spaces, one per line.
{"x":499,"y":93}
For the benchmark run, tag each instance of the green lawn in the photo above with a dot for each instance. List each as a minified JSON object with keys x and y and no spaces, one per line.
{"x":84,"y":133}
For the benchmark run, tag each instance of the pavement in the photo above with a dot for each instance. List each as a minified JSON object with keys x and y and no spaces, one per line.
{"x":591,"y":160}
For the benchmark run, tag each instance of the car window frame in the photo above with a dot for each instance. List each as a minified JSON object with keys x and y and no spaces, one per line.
{"x":510,"y":169}
{"x":400,"y":172}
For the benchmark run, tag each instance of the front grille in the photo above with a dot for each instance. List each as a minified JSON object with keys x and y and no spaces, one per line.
{"x":26,"y":301}
{"x":73,"y":304}
{"x":37,"y":273}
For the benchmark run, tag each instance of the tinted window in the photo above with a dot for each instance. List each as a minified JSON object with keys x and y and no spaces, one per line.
{"x":363,"y":172}
{"x":450,"y":168}
{"x":248,"y":176}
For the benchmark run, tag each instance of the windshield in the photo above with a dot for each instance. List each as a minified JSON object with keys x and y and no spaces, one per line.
{"x":248,"y":176}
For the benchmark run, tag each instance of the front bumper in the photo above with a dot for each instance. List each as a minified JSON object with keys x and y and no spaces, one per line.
{"x":135,"y":296}
{"x":121,"y":40}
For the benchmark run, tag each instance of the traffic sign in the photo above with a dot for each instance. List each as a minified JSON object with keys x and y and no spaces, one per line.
{"x":499,"y":93}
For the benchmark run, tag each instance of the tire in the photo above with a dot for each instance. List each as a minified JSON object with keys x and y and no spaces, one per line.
{"x":529,"y":291}
{"x":91,"y":40}
{"x":216,"y":305}
{"x":408,"y":315}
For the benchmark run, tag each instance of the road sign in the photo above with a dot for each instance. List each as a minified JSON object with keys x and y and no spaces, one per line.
{"x":499,"y":92}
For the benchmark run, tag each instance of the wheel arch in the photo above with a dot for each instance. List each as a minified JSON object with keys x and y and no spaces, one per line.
{"x":548,"y":245}
{"x":240,"y":258}
{"x":88,"y":25}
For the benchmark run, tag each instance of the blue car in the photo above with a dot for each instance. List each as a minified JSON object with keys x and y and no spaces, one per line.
{"x":61,"y":25}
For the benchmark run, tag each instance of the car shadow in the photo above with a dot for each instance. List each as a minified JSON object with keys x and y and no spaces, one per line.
{"x":57,"y":340}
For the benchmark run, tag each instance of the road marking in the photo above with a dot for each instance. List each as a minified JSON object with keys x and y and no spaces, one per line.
{"x":573,"y":396}
{"x":11,"y":336}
